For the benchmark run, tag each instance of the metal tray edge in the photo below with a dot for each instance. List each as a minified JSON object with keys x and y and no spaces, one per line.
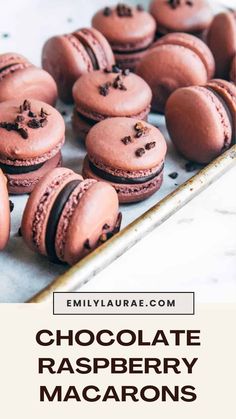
{"x":100,"y":258}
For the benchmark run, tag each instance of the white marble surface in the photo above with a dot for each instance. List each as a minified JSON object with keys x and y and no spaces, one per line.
{"x":194,"y":250}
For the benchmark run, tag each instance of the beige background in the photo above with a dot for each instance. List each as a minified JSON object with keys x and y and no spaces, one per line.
{"x":214,"y":375}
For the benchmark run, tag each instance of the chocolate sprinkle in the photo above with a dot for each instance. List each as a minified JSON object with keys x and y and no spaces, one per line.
{"x":104,"y":89}
{"x":34,"y":123}
{"x":87,"y":245}
{"x":11,"y":205}
{"x":140,"y":129}
{"x":140,"y":152}
{"x":150,"y":145}
{"x":23,"y":132}
{"x":44,"y":114}
{"x":32,"y":114}
{"x":127,"y":140}
{"x":106,"y":227}
{"x":19,"y":118}
{"x":107,"y":11}
{"x":140,"y":8}
{"x":189,"y":3}
{"x":191,"y":166}
{"x":173,"y":175}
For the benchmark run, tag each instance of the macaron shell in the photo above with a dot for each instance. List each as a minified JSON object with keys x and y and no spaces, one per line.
{"x":11,"y":58}
{"x":39,"y":204}
{"x":131,"y":102}
{"x":25,"y":183}
{"x":104,"y":145}
{"x":128,"y":193}
{"x":195,"y":44}
{"x":168,"y":67}
{"x":42,"y":143}
{"x":4,"y":212}
{"x":233,"y":70}
{"x":65,"y":52}
{"x":126,"y":33}
{"x":183,"y":18}
{"x":98,"y":206}
{"x":30,"y":82}
{"x":197,"y":123}
{"x":221,"y":39}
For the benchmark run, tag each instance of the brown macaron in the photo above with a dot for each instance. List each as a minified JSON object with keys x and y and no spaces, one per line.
{"x":201,"y":119}
{"x":67,"y":57}
{"x":175,"y":60}
{"x":19,"y":79}
{"x":127,"y":153}
{"x":105,"y":94}
{"x":221,"y":39}
{"x":129,"y":30}
{"x":4,"y":212}
{"x":67,"y":217}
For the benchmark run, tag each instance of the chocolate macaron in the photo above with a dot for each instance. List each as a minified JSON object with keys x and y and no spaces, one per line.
{"x":129,"y":30}
{"x":127,"y":153}
{"x":4,"y":212}
{"x":221,"y":39}
{"x":66,"y":57}
{"x":31,"y":136}
{"x":201,"y":120}
{"x":66,"y":217}
{"x":19,"y":79}
{"x":105,"y":94}
{"x":192,"y":16}
{"x":176,"y":60}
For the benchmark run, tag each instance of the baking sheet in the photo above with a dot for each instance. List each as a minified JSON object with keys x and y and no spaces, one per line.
{"x":24,"y":273}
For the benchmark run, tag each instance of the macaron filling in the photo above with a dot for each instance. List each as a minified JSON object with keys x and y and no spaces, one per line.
{"x":122,"y":179}
{"x":54,"y":218}
{"x":18,"y":170}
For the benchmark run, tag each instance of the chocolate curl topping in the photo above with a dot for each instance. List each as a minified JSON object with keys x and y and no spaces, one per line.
{"x":107,"y":11}
{"x":123,"y":10}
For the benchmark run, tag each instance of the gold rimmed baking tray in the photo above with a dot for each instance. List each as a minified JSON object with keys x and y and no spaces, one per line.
{"x":96,"y":261}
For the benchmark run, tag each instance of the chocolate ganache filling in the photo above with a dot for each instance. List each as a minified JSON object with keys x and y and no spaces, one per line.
{"x":54,"y":217}
{"x":18,"y":170}
{"x":120,"y":179}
